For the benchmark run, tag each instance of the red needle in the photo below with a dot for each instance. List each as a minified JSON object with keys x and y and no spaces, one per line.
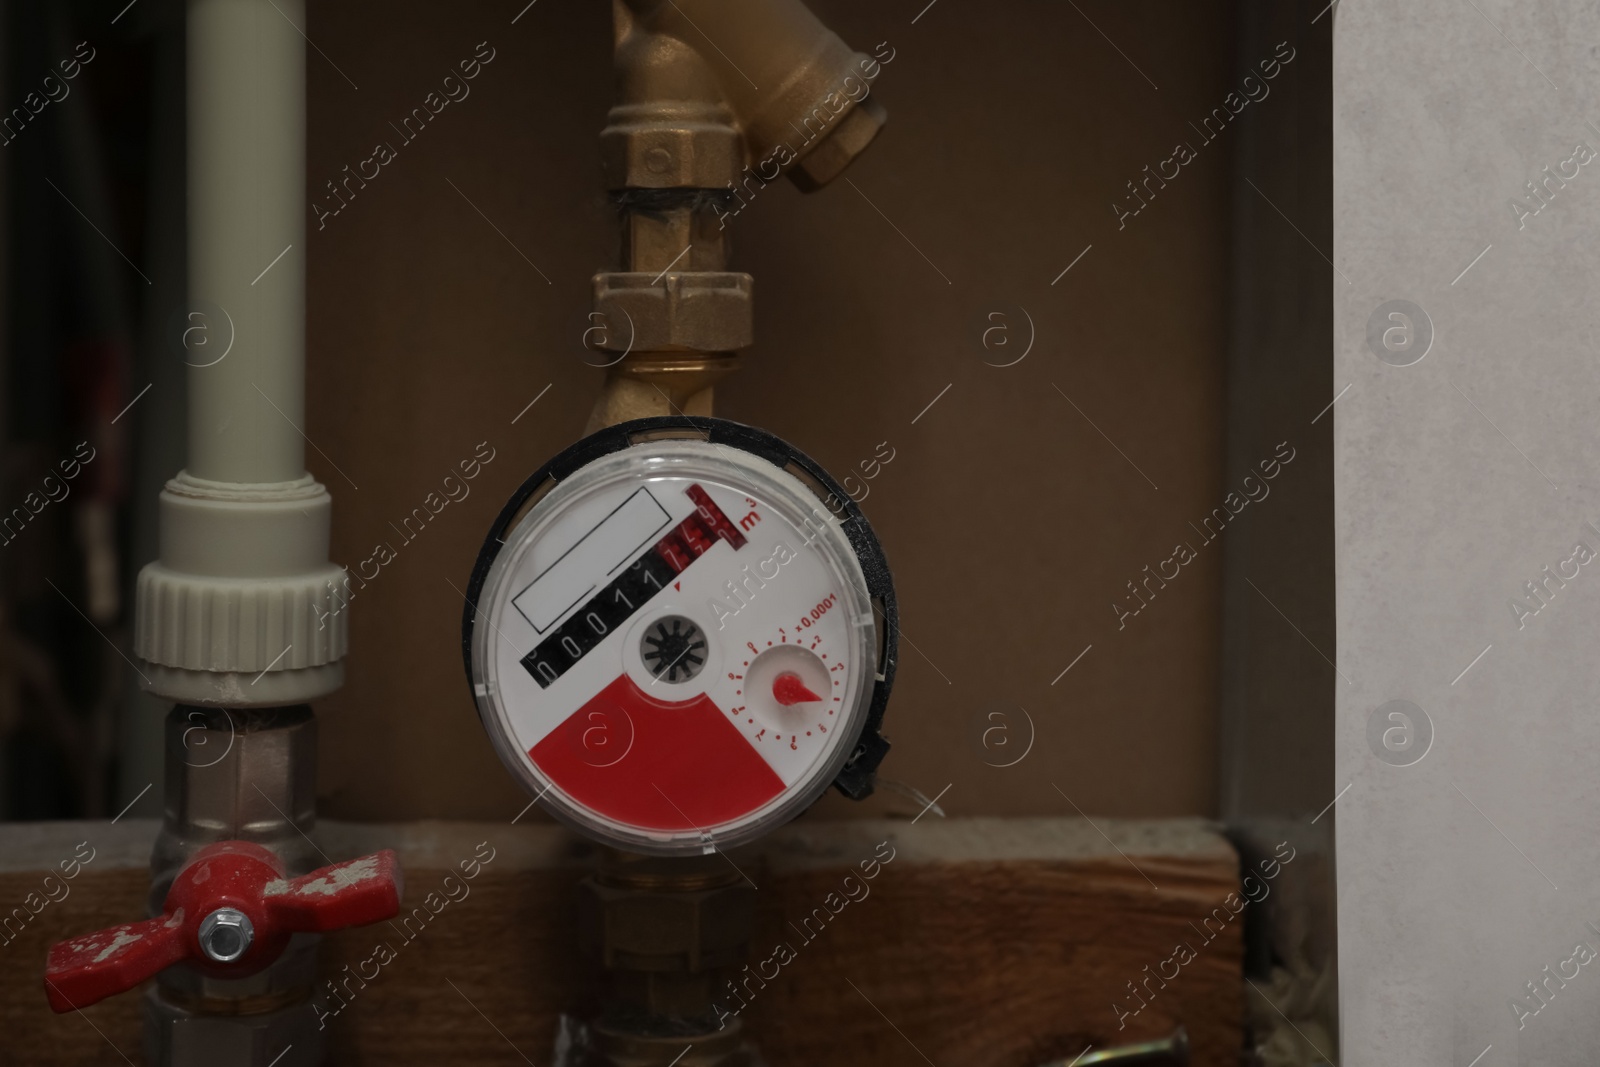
{"x":787,"y":689}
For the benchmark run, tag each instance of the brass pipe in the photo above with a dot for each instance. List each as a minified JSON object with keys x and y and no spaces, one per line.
{"x":776,"y":79}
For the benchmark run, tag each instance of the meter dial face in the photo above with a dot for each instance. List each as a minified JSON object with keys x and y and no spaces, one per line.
{"x":675,"y":645}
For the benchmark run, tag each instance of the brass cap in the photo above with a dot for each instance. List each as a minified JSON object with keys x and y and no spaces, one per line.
{"x":839,"y":149}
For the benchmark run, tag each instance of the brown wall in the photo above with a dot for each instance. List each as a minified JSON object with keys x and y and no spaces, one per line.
{"x":1011,"y":521}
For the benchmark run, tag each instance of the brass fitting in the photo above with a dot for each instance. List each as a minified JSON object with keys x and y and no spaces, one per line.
{"x":647,"y":386}
{"x":703,"y":311}
{"x":670,"y":128}
{"x":707,"y":86}
{"x":715,"y":98}
{"x":672,"y":229}
{"x":850,"y":137}
{"x":667,"y":928}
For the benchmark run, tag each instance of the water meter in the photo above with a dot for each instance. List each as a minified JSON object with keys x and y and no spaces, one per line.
{"x":679,"y":633}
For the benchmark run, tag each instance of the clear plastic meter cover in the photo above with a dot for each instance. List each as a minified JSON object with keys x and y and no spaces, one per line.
{"x":672,"y":639}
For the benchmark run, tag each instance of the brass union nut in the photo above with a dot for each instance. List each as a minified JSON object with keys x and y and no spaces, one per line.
{"x":648,"y":929}
{"x":693,"y":311}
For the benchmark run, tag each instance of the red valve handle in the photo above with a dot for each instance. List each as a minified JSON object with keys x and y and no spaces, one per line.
{"x":236,"y":875}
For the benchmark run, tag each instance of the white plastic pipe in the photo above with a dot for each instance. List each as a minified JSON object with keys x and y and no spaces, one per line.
{"x":247,"y":135}
{"x":243,"y":608}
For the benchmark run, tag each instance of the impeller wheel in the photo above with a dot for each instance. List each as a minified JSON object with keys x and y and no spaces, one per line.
{"x":673,"y":649}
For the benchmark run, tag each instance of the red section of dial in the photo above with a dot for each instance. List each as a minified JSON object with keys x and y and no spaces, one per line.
{"x":789,"y":690}
{"x":654,"y":764}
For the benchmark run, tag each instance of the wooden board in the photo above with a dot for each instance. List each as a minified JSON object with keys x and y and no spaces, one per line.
{"x":981,"y":943}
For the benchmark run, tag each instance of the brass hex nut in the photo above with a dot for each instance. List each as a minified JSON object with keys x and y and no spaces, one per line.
{"x":667,"y":929}
{"x":644,"y":147}
{"x":692,"y":311}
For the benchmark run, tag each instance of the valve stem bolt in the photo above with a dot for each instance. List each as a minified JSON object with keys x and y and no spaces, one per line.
{"x":225,"y":935}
